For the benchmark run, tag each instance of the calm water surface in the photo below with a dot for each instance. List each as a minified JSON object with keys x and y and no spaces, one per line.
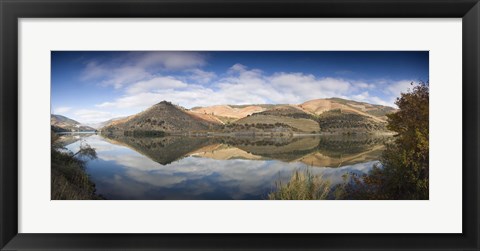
{"x":129,"y":168}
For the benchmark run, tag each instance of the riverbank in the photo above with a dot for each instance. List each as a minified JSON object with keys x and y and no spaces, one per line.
{"x":69,"y":180}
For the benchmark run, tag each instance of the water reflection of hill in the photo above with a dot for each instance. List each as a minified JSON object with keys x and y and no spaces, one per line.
{"x":65,"y":139}
{"x":224,"y":152}
{"x":321,"y":151}
{"x":314,"y":151}
{"x":287,"y":151}
{"x":163,"y":150}
{"x":320,"y":158}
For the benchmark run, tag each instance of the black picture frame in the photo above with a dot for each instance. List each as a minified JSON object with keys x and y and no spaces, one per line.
{"x":12,"y":10}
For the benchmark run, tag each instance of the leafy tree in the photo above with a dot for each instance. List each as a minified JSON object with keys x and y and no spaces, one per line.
{"x":403,"y":172}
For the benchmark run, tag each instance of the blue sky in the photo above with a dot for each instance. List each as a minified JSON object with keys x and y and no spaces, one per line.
{"x":94,"y":86}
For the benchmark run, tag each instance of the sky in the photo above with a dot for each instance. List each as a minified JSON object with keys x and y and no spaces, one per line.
{"x":95,"y":86}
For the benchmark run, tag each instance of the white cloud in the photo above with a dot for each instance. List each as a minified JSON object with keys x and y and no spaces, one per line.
{"x":396,"y":88}
{"x":366,"y":97}
{"x":364,"y":85}
{"x":140,"y":101}
{"x":62,"y":109}
{"x":156,"y":84}
{"x":94,"y":70}
{"x":139,"y":66}
{"x":200,"y":76}
{"x":238,"y":68}
{"x":361,"y":97}
{"x":105,"y":104}
{"x":93,"y":116}
{"x":171,"y":60}
{"x":242,"y":85}
{"x":125,"y":75}
{"x":399,"y":87}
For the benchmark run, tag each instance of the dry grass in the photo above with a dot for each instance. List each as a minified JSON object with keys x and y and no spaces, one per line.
{"x":303,"y":185}
{"x":69,"y":180}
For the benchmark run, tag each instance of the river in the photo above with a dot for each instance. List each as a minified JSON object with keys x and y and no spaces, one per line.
{"x":196,"y":168}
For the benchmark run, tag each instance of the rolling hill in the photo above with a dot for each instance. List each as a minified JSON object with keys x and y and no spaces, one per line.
{"x":228,"y":111}
{"x":326,"y":116}
{"x":162,"y":117}
{"x":59,"y":123}
{"x":319,"y":106}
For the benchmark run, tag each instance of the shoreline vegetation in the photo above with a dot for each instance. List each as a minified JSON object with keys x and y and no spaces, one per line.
{"x":69,"y":180}
{"x":402,"y":173}
{"x":154,"y":133}
{"x":303,"y":185}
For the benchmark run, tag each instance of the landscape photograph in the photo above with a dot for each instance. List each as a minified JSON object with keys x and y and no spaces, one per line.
{"x":239,"y":125}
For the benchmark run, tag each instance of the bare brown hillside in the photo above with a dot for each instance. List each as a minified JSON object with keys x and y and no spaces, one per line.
{"x":162,"y":117}
{"x":330,"y":116}
{"x":319,"y":106}
{"x":228,"y":111}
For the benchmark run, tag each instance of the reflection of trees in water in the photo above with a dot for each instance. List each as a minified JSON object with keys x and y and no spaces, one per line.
{"x":317,"y":151}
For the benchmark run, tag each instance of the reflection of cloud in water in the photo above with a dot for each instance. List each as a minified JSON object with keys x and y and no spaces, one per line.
{"x":122,"y":173}
{"x":93,"y":140}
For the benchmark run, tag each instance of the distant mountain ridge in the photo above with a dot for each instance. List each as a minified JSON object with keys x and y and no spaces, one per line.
{"x":333,"y":115}
{"x":59,"y":123}
{"x":104,"y":123}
